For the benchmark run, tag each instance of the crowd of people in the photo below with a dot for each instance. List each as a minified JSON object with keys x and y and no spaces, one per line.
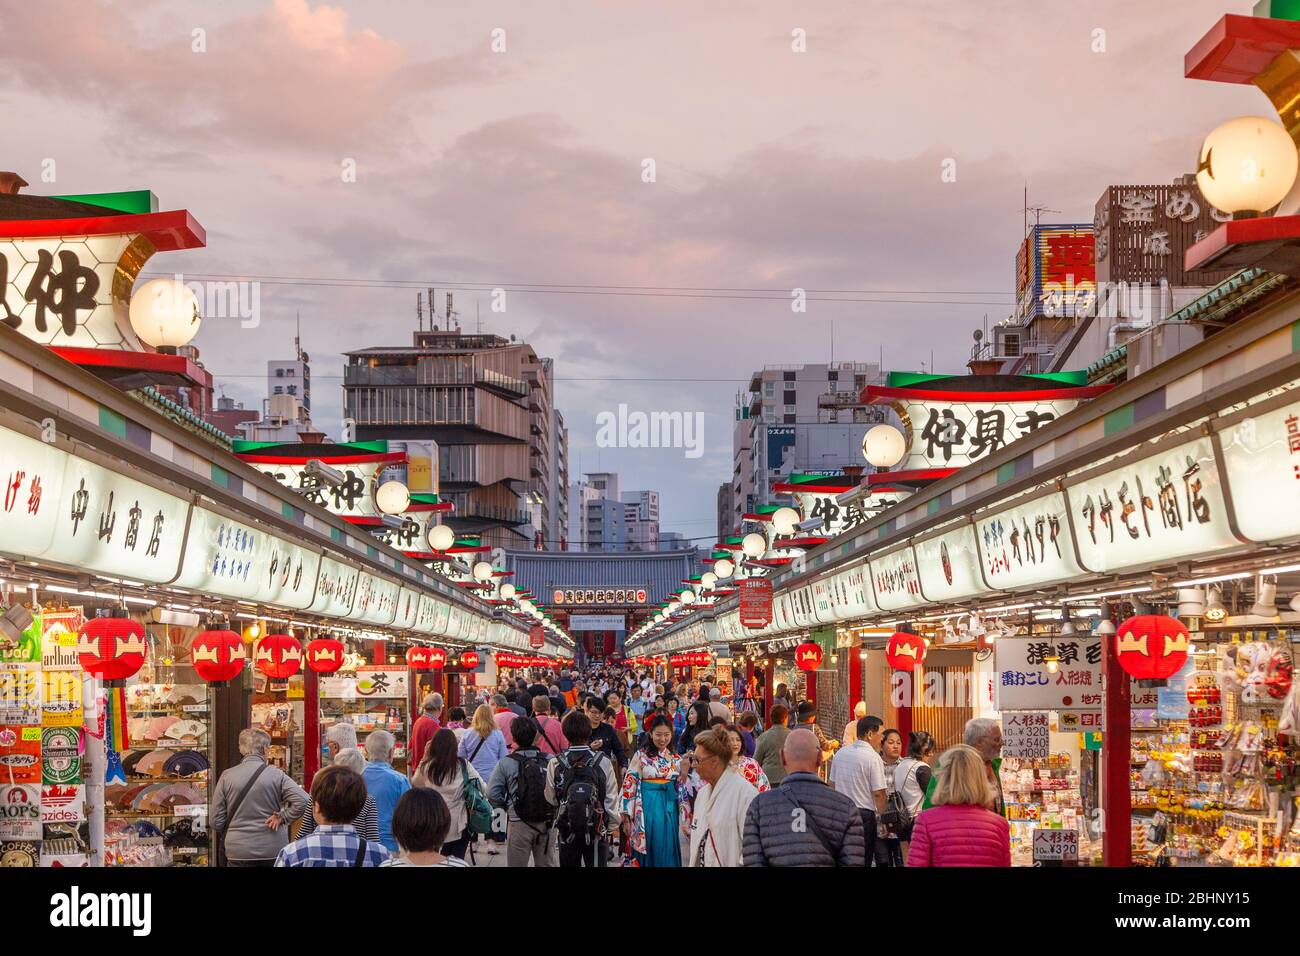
{"x":605,"y":767}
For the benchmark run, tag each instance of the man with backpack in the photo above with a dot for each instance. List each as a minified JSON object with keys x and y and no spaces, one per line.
{"x":519,"y":785}
{"x":583,"y":786}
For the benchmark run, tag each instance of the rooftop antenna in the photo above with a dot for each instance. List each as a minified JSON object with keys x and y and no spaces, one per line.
{"x":433,"y":312}
{"x":832,"y":341}
{"x":297,"y":334}
{"x":450,"y":313}
{"x":419,"y":312}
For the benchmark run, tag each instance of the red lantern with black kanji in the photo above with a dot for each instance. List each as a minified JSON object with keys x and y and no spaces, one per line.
{"x":808,"y":656}
{"x":1152,"y":646}
{"x":325,"y":655}
{"x":437,"y":658}
{"x":111,"y":648}
{"x":218,"y":656}
{"x":905,"y":651}
{"x":469,"y":659}
{"x":278,"y":656}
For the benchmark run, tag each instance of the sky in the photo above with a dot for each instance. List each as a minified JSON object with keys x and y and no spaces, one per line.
{"x":648,"y":181}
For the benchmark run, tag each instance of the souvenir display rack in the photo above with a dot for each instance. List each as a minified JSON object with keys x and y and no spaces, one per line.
{"x":158,"y":816}
{"x":1043,"y":793}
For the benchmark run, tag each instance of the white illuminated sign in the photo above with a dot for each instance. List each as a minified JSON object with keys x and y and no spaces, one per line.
{"x":354,"y":497}
{"x":233,"y":559}
{"x":949,"y":565}
{"x":1027,"y":544}
{"x":1262,"y":456}
{"x":896,"y":583}
{"x":1167,"y":505}
{"x":953,"y":434}
{"x":336,"y":587}
{"x":1024,"y":682}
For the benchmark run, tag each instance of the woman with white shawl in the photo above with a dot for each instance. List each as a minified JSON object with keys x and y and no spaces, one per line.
{"x":718,"y":823}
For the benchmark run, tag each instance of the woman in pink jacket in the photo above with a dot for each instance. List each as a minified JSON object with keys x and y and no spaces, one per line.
{"x":960,"y":829}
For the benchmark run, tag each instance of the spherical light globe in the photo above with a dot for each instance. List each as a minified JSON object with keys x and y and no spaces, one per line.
{"x":883,"y":446}
{"x":441,"y":537}
{"x":785,"y":520}
{"x":392,"y":498}
{"x":754,"y":545}
{"x":708,"y":580}
{"x":507,"y":591}
{"x":724,"y":567}
{"x":482,"y":571}
{"x":526,"y":606}
{"x":687,"y":596}
{"x":164,"y":313}
{"x":673,"y":606}
{"x":1247,"y":165}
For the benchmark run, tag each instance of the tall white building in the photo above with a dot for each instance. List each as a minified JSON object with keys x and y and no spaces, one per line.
{"x":797,"y":419}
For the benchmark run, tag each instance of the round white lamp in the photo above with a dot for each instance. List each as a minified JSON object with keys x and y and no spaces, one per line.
{"x":753,"y":544}
{"x":687,"y":596}
{"x":441,"y":537}
{"x":482,"y":571}
{"x":724,"y":567}
{"x":164,"y":313}
{"x":507,"y":591}
{"x":526,"y":606}
{"x":1247,"y":166}
{"x":785,"y":520}
{"x":708,"y":580}
{"x":883,"y":446}
{"x":392,"y":498}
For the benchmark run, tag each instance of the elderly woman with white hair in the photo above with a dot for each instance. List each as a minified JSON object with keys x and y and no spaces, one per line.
{"x":367,"y":821}
{"x":984,"y":734}
{"x":253,"y":804}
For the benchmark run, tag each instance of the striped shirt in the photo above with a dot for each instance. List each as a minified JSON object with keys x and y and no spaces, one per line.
{"x":366,"y":823}
{"x":331,"y":845}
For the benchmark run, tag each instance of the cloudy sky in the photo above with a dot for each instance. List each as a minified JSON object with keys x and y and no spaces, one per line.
{"x":480,"y":166}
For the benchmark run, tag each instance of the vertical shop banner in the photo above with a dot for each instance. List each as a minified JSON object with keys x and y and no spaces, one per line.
{"x":1024,"y":681}
{"x":1165,"y":506}
{"x":755,"y":602}
{"x":1026,"y":735}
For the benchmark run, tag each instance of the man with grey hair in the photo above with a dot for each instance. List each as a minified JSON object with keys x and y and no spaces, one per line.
{"x":384,"y":784}
{"x":985,"y":735}
{"x":367,"y":821}
{"x":341,"y":736}
{"x":254,"y":803}
{"x":422,"y":731}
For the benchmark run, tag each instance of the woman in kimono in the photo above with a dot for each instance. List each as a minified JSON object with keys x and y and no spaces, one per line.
{"x":650,"y":798}
{"x":748,"y":768}
{"x":718,"y":825}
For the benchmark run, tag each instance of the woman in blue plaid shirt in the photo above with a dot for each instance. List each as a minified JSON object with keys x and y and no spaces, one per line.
{"x":337,"y":794}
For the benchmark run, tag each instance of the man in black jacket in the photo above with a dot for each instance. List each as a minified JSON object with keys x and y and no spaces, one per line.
{"x":803,"y":822}
{"x":603,"y":737}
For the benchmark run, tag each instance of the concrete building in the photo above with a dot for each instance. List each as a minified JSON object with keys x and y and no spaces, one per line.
{"x":725,"y":498}
{"x":286,"y":410}
{"x":487,"y":402}
{"x":797,"y":418}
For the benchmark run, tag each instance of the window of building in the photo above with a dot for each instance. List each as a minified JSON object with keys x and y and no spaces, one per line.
{"x":293,"y":389}
{"x":859,"y":382}
{"x":789,"y":397}
{"x":769,"y":389}
{"x":833,"y":375}
{"x":790,"y":419}
{"x":279,"y":390}
{"x":279,"y":373}
{"x":788,"y":376}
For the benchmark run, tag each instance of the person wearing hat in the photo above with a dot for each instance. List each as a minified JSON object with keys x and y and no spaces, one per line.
{"x":422,"y":731}
{"x":254,"y":803}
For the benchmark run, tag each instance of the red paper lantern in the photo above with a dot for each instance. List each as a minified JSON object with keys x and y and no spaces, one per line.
{"x":469,"y":659}
{"x":111,"y":648}
{"x":278,"y":656}
{"x":808,"y":657}
{"x":1152,"y":646}
{"x":437,"y":658}
{"x":417,"y":658}
{"x":218,"y":656}
{"x":905,"y":651}
{"x":325,"y":655}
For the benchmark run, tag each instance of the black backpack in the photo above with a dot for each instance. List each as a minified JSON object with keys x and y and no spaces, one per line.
{"x":580,"y":792}
{"x":530,"y":789}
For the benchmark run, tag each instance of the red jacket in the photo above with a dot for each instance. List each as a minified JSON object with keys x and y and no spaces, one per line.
{"x":960,"y":836}
{"x":422,"y":732}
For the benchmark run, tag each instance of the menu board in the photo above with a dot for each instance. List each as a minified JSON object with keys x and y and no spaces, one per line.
{"x":1026,"y":734}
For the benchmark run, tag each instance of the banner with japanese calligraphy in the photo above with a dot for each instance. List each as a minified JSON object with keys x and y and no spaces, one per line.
{"x":237,"y":560}
{"x":72,"y":511}
{"x":354,"y":497}
{"x":1027,"y":544}
{"x":1262,"y":458}
{"x":408,"y":606}
{"x":755,"y":602}
{"x":376,"y":601}
{"x":1167,"y":505}
{"x":840,"y":519}
{"x":66,"y":290}
{"x":858,"y":598}
{"x":895,"y":581}
{"x":949,"y":565}
{"x":953,"y":434}
{"x":336,"y":587}
{"x":1025,"y":683}
{"x":1026,"y":734}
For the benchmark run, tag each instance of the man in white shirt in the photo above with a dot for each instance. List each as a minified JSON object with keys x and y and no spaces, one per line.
{"x":858,"y":772}
{"x":716,"y":707}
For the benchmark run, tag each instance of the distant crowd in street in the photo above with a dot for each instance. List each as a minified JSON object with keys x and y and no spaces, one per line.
{"x":604,"y":766}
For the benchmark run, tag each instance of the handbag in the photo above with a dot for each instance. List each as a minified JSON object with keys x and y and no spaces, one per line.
{"x":478,"y":811}
{"x":896,"y":816}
